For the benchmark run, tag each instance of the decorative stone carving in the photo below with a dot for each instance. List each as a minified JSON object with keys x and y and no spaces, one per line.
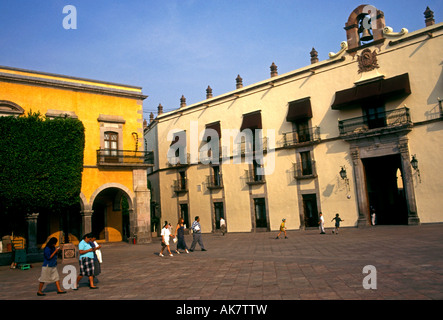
{"x":388,"y":31}
{"x":343,"y":46}
{"x":367,"y":61}
{"x":355,"y":155}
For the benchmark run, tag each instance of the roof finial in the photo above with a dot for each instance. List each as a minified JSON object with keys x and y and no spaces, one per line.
{"x":273,"y":70}
{"x":314,"y":56}
{"x":429,"y":15}
{"x":182,"y":101}
{"x":239,"y":81}
{"x":208,"y":92}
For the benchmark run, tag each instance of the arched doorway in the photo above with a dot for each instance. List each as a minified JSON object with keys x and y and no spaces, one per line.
{"x":111,"y":207}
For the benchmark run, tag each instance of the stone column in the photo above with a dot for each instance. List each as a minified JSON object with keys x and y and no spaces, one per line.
{"x":31,"y":221}
{"x":408,"y":183}
{"x":360,"y":185}
{"x":86,"y":221}
{"x":142,"y":212}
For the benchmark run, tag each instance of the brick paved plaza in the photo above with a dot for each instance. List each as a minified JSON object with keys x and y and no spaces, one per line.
{"x":248,"y":266}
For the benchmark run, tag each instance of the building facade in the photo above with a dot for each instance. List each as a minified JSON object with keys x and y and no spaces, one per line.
{"x":115,"y":163}
{"x":358,"y":132}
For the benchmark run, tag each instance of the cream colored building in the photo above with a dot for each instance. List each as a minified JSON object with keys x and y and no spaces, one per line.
{"x":340,"y":136}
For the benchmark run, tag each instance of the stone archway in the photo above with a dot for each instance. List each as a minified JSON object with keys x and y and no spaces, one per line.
{"x":105,"y":217}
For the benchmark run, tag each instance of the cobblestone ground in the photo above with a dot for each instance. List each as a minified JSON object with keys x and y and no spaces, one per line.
{"x":408,"y":261}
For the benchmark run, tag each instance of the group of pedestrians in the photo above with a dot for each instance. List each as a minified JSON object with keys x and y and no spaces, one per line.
{"x":90,"y":260}
{"x":90,"y":257}
{"x":321,"y":224}
{"x":179,"y":237}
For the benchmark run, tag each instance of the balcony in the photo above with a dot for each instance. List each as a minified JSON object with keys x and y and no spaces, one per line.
{"x":305,"y":170}
{"x":124,"y":158}
{"x":253,"y":178}
{"x":175,"y":161}
{"x":214,"y":182}
{"x":301,"y":137}
{"x":251,"y":147}
{"x":376,"y":123}
{"x":180,"y":185}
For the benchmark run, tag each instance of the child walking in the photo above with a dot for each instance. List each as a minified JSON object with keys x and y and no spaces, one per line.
{"x":282,"y":229}
{"x":337,"y":223}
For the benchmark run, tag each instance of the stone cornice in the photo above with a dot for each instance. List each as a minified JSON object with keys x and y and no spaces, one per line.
{"x":66,"y":85}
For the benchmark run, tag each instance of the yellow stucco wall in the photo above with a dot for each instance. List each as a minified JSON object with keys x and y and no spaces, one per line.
{"x":87,"y":106}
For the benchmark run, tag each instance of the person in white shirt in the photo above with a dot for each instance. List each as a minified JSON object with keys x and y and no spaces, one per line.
{"x":321,"y":223}
{"x":166,"y":233}
{"x":222,"y":226}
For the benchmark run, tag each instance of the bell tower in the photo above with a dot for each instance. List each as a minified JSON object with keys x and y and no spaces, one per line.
{"x":364,"y":24}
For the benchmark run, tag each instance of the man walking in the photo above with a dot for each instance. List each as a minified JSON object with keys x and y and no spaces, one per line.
{"x":196,"y":235}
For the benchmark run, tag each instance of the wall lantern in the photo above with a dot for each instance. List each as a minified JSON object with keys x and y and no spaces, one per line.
{"x":414,"y":164}
{"x":440,"y":107}
{"x":344,"y":176}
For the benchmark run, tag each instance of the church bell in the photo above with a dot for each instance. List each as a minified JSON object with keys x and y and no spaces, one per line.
{"x":366,"y":35}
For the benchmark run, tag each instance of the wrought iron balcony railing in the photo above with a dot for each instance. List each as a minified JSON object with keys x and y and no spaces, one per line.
{"x":294,"y":138}
{"x":180,"y":185}
{"x":176,"y":162}
{"x":253,"y":178}
{"x":124,"y":157}
{"x":397,"y":118}
{"x":305,"y":170}
{"x":251,"y":147}
{"x":214,"y":182}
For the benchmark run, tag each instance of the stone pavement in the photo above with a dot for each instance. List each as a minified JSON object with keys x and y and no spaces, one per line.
{"x":255,"y":266}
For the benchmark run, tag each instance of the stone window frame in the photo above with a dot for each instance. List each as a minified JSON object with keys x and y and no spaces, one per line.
{"x":111,"y":124}
{"x":9,"y":108}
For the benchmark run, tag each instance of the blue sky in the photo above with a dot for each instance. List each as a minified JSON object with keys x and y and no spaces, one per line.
{"x":172,"y":48}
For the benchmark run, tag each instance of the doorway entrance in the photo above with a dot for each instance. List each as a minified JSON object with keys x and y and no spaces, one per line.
{"x":384,"y":182}
{"x":219,"y":213}
{"x":184,"y":214}
{"x":310,"y":210}
{"x":260,"y":214}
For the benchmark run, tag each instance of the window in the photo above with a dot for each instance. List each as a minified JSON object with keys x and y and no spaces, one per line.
{"x":306,"y":163}
{"x":302,"y":129}
{"x":111,"y":146}
{"x":253,"y":122}
{"x":258,"y":170}
{"x":216,"y":175}
{"x":374,"y":113}
{"x":182,"y":180}
{"x":177,"y":149}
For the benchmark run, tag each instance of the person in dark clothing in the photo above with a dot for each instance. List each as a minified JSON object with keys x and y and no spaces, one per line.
{"x":180,"y":235}
{"x":49,"y":267}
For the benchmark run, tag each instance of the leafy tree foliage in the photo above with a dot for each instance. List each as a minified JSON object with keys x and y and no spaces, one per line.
{"x":41,"y":162}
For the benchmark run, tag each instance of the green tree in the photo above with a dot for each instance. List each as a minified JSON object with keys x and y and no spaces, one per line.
{"x":41,"y":162}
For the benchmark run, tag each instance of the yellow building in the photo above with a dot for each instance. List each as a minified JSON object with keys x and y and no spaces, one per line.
{"x":341,"y":135}
{"x":115,"y":162}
